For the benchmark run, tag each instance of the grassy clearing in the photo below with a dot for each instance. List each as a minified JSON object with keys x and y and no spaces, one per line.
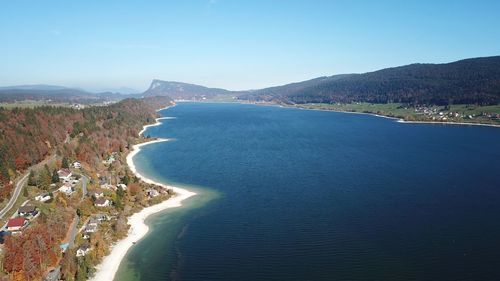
{"x":32,"y":104}
{"x":453,"y":113}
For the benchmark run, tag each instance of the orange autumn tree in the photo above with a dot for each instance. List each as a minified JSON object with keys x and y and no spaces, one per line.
{"x":37,"y":248}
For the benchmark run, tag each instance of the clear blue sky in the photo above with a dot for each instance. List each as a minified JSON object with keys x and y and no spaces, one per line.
{"x":233,"y":44}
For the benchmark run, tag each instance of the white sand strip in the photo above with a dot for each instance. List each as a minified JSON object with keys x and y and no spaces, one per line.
{"x":448,"y":123}
{"x":107,"y":269}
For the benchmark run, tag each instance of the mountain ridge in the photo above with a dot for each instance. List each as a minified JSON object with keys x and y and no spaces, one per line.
{"x":467,"y":81}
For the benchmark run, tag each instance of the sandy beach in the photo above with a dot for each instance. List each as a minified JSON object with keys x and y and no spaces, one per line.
{"x":448,"y":123}
{"x":157,"y":123}
{"x":107,"y":269}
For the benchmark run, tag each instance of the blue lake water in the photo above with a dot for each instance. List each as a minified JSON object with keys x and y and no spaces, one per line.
{"x":289,"y":194}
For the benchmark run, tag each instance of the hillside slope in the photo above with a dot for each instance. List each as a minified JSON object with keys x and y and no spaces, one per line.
{"x":28,"y":135}
{"x":183,"y":91}
{"x":55,"y":94}
{"x":470,"y":81}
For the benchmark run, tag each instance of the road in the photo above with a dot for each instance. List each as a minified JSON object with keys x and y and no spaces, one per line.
{"x":84,"y":185}
{"x":17,"y":191}
{"x":19,"y":188}
{"x":73,"y":232}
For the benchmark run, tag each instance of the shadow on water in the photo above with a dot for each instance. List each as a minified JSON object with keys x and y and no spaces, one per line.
{"x":157,"y":252}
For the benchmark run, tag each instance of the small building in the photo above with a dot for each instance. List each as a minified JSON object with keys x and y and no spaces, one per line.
{"x":64,"y":174}
{"x":53,"y":275}
{"x":17,"y":224}
{"x":44,"y":197}
{"x":108,"y":186}
{"x":101,"y":202}
{"x":27,"y":211}
{"x":122,"y":186}
{"x":97,"y":193}
{"x":104,"y":180}
{"x":101,"y":217}
{"x":91,"y":227}
{"x":77,"y":165}
{"x":152,"y":192}
{"x":110,"y":160}
{"x":66,"y":188}
{"x":83,"y":250}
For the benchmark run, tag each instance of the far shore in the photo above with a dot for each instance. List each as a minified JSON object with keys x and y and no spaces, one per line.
{"x":107,"y":269}
{"x":401,"y":120}
{"x":397,"y":119}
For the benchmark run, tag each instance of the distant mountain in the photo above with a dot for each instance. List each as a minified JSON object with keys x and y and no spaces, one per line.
{"x":120,"y":90}
{"x":470,"y":81}
{"x":40,"y":87}
{"x":55,"y":94}
{"x":185,"y":91}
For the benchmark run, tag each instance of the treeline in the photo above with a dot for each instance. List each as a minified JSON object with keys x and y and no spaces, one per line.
{"x":28,"y":256}
{"x":12,"y":95}
{"x":471,"y":81}
{"x":28,"y":135}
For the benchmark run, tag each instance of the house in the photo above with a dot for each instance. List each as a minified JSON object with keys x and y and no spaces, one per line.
{"x":122,"y":186}
{"x":43,"y":197}
{"x":110,"y":160}
{"x":152,"y":192}
{"x":77,"y":165}
{"x":101,"y":217}
{"x":96,"y":193}
{"x":27,"y":211}
{"x":101,"y":202}
{"x":108,"y":186}
{"x":17,"y":224}
{"x":104,"y":180}
{"x":83,"y":250}
{"x":66,"y":188}
{"x":64,"y":174}
{"x":91,"y":226}
{"x":53,"y":275}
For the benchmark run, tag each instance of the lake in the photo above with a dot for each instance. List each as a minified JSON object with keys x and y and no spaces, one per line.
{"x":290,"y":194}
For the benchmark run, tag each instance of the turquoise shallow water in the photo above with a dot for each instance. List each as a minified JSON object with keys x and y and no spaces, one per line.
{"x":288,"y":194}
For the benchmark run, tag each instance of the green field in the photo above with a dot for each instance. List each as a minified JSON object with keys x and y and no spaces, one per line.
{"x":466,"y":113}
{"x":32,"y":104}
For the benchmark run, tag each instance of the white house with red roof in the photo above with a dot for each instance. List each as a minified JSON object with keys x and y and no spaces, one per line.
{"x":17,"y":224}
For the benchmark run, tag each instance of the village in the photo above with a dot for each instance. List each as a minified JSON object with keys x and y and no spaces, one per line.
{"x":447,"y":114}
{"x":99,"y":201}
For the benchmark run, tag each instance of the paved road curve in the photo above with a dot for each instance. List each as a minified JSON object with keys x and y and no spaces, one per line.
{"x":19,"y":187}
{"x":84,"y":180}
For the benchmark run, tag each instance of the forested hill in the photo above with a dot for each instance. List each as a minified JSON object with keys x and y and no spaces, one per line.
{"x":469,"y":81}
{"x":183,"y":91}
{"x":28,"y":135}
{"x":55,"y":94}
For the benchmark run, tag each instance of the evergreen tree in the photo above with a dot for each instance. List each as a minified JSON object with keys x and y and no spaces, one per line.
{"x":32,"y":178}
{"x":125,"y":180}
{"x":55,"y":176}
{"x":65,"y":162}
{"x":45,"y":178}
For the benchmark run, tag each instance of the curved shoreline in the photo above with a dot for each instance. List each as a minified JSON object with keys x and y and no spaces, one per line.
{"x":448,"y":123}
{"x":108,"y":267}
{"x":397,"y":119}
